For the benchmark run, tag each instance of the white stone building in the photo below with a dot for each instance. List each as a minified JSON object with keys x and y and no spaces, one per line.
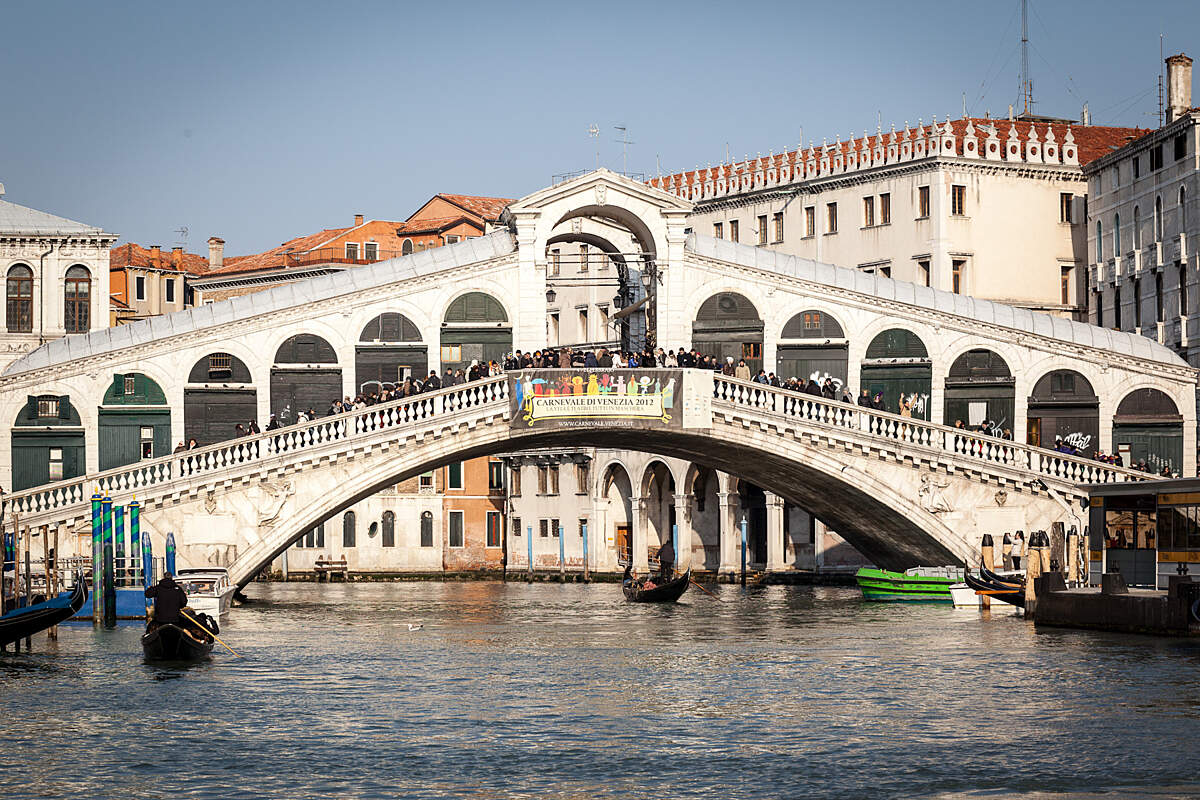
{"x":56,"y":278}
{"x":983,"y":207}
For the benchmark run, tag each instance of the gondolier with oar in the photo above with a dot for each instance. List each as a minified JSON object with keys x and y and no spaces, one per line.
{"x":666,"y":562}
{"x":169,"y":598}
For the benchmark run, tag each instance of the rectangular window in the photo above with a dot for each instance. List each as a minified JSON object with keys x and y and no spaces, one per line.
{"x":456,"y":529}
{"x":751,"y":350}
{"x":778,"y":222}
{"x":1066,"y":285}
{"x":493,"y":529}
{"x":762,"y":229}
{"x":554,"y":479}
{"x":495,"y":475}
{"x":812,"y":320}
{"x":922,"y":202}
{"x":584,"y":332}
{"x":220,"y":365}
{"x":554,"y":527}
{"x":810,"y":221}
{"x":1117,"y":307}
{"x":581,"y":478}
{"x":425,"y":481}
{"x":426,"y":529}
{"x":1180,"y":146}
{"x":351,"y":251}
{"x":868,"y":212}
{"x":139,"y":288}
{"x":170,"y":286}
{"x":1065,"y":201}
{"x":1158,"y":300}
{"x":130,"y":383}
{"x":514,"y":488}
{"x":885,"y":209}
{"x":371,"y":250}
{"x":958,"y":200}
{"x":718,"y":230}
{"x":733,"y":230}
{"x":451,"y":353}
{"x":1137,"y":302}
{"x":516,"y":526}
{"x":454,"y":475}
{"x":1156,"y":158}
{"x":583,"y":258}
{"x":555,"y":262}
{"x":543,"y":479}
{"x":1137,"y":167}
{"x":923,"y":273}
{"x":146,"y":440}
{"x":56,"y":464}
{"x":543,"y":528}
{"x":1183,"y":298}
{"x":582,"y":526}
{"x":957,"y":277}
{"x":831,"y":218}
{"x":555,"y":328}
{"x":452,"y":238}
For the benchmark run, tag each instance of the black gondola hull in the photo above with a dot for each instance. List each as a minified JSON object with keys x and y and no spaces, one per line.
{"x":22,"y":622}
{"x":167,"y":642}
{"x":666,"y":593}
{"x":1013,"y":594}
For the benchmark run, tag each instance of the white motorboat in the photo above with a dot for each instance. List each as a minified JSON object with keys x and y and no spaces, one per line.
{"x":208,"y":589}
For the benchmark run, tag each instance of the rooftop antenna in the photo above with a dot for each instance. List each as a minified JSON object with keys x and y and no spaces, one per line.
{"x":594,"y":132}
{"x":964,"y":105}
{"x":1026,"y":82}
{"x":1160,"y":80}
{"x":624,"y":140}
{"x":182,"y":230}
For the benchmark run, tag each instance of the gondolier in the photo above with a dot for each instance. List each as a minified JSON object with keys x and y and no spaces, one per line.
{"x":169,"y":598}
{"x":666,"y":562}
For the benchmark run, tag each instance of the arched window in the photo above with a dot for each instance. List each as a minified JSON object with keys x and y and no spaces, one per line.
{"x":77,"y":300}
{"x":1183,"y":209}
{"x":20,"y":299}
{"x":1116,"y":235}
{"x":426,"y":529}
{"x":1158,"y":226}
{"x":406,"y":248}
{"x":1099,"y":240}
{"x":389,"y":529}
{"x":348,"y":529}
{"x":1137,"y":228}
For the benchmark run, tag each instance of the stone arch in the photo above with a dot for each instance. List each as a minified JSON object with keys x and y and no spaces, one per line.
{"x":227,"y":399}
{"x":813,"y":345}
{"x":621,"y":216}
{"x":657,"y":489}
{"x":48,"y":440}
{"x":897,"y":367}
{"x":133,"y":406}
{"x":703,"y":486}
{"x":475,"y":327}
{"x":980,"y":389}
{"x":616,"y":487}
{"x":305,"y":376}
{"x":1063,"y":404}
{"x":389,"y":348}
{"x":1148,"y":431}
{"x":728,"y":324}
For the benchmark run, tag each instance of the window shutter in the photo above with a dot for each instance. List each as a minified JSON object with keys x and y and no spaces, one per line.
{"x":64,"y":407}
{"x":31,"y":406}
{"x":118,"y":385}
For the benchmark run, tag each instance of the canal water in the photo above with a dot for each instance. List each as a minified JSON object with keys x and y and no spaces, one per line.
{"x":553,"y":691}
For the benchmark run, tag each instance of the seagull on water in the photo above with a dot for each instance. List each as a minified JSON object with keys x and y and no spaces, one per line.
{"x":415,"y":626}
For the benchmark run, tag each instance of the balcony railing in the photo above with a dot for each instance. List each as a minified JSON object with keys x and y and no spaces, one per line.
{"x":336,"y":255}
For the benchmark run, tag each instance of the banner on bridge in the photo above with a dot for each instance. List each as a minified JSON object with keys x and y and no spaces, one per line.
{"x":619,"y":398}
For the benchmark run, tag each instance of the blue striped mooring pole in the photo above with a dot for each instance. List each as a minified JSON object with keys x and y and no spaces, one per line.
{"x":109,"y":579}
{"x":745,"y":527}
{"x":170,"y":554}
{"x":97,"y":559}
{"x":135,"y":540}
{"x":119,"y":539}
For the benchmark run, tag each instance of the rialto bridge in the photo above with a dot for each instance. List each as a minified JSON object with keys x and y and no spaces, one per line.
{"x":104,"y":409}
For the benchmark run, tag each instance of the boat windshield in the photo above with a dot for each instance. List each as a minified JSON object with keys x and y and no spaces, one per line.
{"x":198,"y":587}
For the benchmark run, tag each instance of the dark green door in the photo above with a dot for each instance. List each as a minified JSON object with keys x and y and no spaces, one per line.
{"x":41,"y":457}
{"x":120,"y":439}
{"x":894,"y":380}
{"x":1159,"y":445}
{"x":474,"y":344}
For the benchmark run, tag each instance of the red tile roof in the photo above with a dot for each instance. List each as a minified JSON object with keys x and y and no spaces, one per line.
{"x":134,"y":255}
{"x":1091,"y":141}
{"x":274,"y":258}
{"x":489,"y":208}
{"x":433,"y":224}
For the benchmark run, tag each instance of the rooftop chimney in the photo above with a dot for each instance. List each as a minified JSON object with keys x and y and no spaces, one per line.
{"x":216,"y":252}
{"x":155,"y":255}
{"x":176,"y":257}
{"x":1179,"y":86}
{"x":358,"y":218}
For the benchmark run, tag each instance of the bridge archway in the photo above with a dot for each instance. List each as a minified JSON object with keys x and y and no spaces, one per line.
{"x":704,"y":509}
{"x":980,"y":388}
{"x":48,"y":441}
{"x":304,"y":376}
{"x":658,"y":496}
{"x":133,"y":421}
{"x":728,"y":325}
{"x":1148,"y":428}
{"x":617,"y":490}
{"x":475,"y":327}
{"x":897,"y":363}
{"x":389,"y":349}
{"x":1064,"y":405}
{"x":813,"y":345}
{"x":220,"y":395}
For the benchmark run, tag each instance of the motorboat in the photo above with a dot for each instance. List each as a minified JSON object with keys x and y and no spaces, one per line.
{"x":918,"y":584}
{"x":208,"y":589}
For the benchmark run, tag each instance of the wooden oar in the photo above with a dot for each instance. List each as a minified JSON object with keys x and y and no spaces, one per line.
{"x":701,"y":588}
{"x":210,"y":633}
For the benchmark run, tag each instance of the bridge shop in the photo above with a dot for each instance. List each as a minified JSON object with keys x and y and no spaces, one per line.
{"x":1146,"y":531}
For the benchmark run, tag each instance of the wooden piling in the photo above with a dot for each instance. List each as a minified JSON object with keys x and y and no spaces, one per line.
{"x":1033,"y":570}
{"x":987,"y":559}
{"x":28,"y":581}
{"x":1044,"y":551}
{"x":52,"y":631}
{"x":1021,"y":550}
{"x":1073,"y":556}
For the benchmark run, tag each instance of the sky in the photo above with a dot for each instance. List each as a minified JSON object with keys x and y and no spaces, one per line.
{"x":261,"y":121}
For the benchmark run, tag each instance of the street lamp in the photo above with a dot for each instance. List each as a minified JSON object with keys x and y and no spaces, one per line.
{"x":551,"y":295}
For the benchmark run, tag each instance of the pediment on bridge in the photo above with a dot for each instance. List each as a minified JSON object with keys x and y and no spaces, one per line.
{"x":599,"y":187}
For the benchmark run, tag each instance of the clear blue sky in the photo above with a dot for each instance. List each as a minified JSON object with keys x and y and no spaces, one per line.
{"x":260,"y":121}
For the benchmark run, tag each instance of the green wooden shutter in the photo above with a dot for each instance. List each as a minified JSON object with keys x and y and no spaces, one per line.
{"x":64,"y":407}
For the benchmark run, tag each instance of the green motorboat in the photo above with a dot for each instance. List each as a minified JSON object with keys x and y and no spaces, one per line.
{"x":919,"y":584}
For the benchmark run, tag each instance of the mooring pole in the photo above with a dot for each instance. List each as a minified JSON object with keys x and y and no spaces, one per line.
{"x":119,"y":539}
{"x":562,"y":552}
{"x":744,"y":537}
{"x":135,"y":540}
{"x":109,"y":574}
{"x":169,"y":563}
{"x":529,"y":543}
{"x":586,"y":573}
{"x":987,"y":559}
{"x":97,"y":559}
{"x":28,"y":580}
{"x":51,"y":578}
{"x":147,"y":567}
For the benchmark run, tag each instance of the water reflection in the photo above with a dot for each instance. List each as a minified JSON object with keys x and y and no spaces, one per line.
{"x":542,"y":690}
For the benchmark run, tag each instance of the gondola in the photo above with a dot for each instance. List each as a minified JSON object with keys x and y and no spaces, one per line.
{"x":22,"y":622}
{"x":667,"y":592}
{"x":166,"y":641}
{"x":988,"y":583}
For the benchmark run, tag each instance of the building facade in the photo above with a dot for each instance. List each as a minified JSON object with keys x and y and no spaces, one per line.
{"x":145,"y":282}
{"x":982,"y":207}
{"x":56,"y":278}
{"x":1144,"y":225}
